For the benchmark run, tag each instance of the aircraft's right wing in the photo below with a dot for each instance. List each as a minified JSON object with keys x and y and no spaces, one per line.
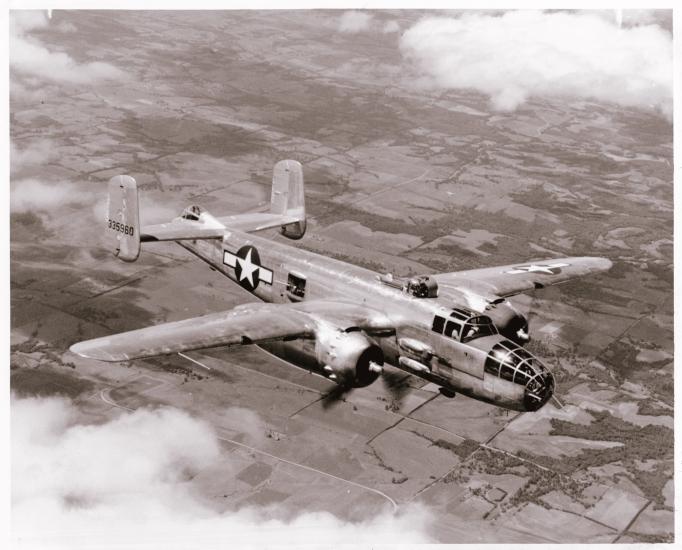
{"x":247,"y":324}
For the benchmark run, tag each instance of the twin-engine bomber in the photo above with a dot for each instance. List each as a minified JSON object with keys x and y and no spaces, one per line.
{"x":341,"y":321}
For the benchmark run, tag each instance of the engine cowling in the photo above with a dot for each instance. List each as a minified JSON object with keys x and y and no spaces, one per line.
{"x":509,"y":321}
{"x":348,"y":358}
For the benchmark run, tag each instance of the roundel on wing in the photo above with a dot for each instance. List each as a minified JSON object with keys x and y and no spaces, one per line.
{"x":247,"y":267}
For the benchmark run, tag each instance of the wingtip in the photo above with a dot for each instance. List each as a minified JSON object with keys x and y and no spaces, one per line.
{"x":81,"y":348}
{"x":89,"y":351}
{"x":604,"y":264}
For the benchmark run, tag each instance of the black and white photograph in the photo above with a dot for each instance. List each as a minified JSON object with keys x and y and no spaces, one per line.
{"x":340,"y":276}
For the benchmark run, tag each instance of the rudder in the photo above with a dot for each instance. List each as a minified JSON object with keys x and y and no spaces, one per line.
{"x":123,"y":218}
{"x":288,"y":197}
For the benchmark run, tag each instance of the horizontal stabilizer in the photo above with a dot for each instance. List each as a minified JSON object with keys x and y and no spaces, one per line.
{"x":256,"y":221}
{"x":179,"y":232}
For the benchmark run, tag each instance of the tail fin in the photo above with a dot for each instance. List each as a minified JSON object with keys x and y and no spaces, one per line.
{"x":288,"y":197}
{"x":123,"y":218}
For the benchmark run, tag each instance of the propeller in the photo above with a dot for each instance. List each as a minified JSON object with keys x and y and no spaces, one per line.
{"x":338,"y":393}
{"x":394,"y":381}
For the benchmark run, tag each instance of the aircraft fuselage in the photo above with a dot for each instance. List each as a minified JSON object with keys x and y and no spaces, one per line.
{"x":279,"y":273}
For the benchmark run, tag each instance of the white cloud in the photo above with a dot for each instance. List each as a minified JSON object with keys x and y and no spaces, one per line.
{"x":30,"y":57}
{"x":250,"y":424}
{"x":523,"y":54}
{"x":65,"y":26}
{"x":152,"y":212}
{"x":127,"y":482}
{"x":32,"y":194}
{"x":354,"y":21}
{"x":33,"y":154}
{"x":391,"y":26}
{"x":630,"y":18}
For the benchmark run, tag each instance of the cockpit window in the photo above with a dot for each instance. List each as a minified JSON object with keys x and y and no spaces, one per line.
{"x":477,"y":327}
{"x":463,"y":326}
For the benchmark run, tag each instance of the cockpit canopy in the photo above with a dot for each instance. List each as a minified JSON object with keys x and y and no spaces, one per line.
{"x":464,"y":325}
{"x":192,"y":213}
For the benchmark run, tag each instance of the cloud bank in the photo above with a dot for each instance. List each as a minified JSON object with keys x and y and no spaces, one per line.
{"x":34,"y":154}
{"x":32,"y":194}
{"x":524,"y":54}
{"x":127,"y":482}
{"x":354,"y":21}
{"x":390,"y":26}
{"x":30,"y":58}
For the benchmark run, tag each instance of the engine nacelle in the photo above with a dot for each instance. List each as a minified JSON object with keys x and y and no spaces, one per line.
{"x":348,"y":358}
{"x":509,"y":321}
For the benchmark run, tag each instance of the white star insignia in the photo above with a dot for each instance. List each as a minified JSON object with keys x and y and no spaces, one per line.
{"x":536,"y":268}
{"x":247,"y":268}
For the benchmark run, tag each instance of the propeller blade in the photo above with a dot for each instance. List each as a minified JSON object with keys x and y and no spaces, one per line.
{"x":338,"y":393}
{"x":396,"y":385}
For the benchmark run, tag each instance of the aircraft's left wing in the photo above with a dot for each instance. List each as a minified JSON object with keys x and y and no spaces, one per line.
{"x":492,"y":283}
{"x":247,"y":324}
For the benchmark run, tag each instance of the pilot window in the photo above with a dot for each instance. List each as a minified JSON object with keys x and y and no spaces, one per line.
{"x":477,"y":327}
{"x":296,"y":287}
{"x":452,"y":329}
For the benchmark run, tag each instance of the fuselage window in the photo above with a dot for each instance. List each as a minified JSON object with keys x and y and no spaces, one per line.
{"x":296,"y":287}
{"x":438,"y":324}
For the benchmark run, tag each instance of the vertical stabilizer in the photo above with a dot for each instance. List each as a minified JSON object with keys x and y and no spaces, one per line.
{"x":123,"y":218}
{"x":288,"y":197}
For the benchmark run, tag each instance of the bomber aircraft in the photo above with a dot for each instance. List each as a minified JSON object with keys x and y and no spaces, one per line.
{"x":337,"y":320}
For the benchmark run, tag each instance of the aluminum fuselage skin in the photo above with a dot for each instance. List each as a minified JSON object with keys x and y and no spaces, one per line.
{"x":456,"y":366}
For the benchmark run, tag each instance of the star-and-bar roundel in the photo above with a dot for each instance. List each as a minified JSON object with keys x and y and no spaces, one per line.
{"x":247,"y":268}
{"x":550,"y":269}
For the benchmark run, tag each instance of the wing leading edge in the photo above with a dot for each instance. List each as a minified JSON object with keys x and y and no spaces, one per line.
{"x":500,"y":282}
{"x":246,"y":324}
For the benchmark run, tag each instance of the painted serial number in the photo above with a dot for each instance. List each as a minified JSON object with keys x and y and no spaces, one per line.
{"x":122,"y":228}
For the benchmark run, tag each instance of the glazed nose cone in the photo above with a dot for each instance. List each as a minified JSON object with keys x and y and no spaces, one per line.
{"x":539,"y":390}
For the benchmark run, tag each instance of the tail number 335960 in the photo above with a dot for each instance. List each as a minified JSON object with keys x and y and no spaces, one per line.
{"x":118,"y":226}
